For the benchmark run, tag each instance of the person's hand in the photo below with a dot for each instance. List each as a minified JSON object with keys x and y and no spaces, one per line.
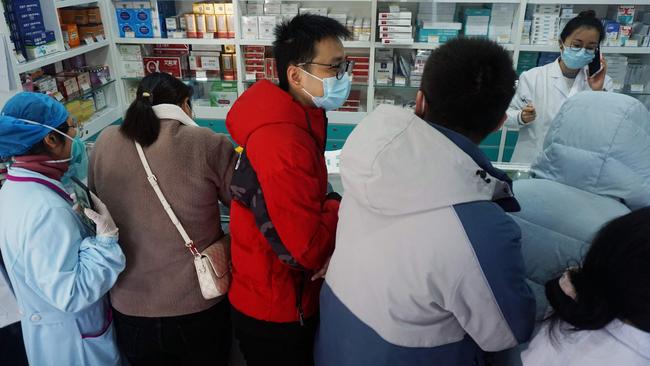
{"x":102,"y":218}
{"x":528,"y":113}
{"x":597,"y":81}
{"x":323,"y":271}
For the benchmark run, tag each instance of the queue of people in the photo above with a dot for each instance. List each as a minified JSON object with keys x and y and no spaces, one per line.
{"x":432,"y":255}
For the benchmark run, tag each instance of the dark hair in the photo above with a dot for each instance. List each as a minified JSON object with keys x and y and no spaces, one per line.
{"x":295,"y":41}
{"x":140,"y":123}
{"x":41,"y":149}
{"x":586,"y":19}
{"x":614,"y":280}
{"x":468,"y":84}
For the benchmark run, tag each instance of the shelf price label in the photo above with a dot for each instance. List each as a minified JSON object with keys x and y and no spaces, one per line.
{"x":89,"y":40}
{"x":208,"y":35}
{"x":100,"y":37}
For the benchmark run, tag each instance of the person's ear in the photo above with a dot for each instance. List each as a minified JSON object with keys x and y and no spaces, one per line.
{"x":294,"y":76}
{"x":420,"y":105}
{"x":185,"y":106}
{"x":51,"y":141}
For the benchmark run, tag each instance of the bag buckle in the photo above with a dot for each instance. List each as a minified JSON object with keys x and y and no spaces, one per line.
{"x":190,"y":246}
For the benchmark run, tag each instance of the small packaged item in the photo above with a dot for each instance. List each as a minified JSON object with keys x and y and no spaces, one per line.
{"x":249,"y":27}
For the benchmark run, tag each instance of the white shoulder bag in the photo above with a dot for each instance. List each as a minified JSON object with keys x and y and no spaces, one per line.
{"x":213,"y":264}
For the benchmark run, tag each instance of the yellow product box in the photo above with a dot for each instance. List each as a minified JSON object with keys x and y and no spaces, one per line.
{"x":220,"y":8}
{"x":197,"y":8}
{"x":230,"y":9}
{"x":208,"y":8}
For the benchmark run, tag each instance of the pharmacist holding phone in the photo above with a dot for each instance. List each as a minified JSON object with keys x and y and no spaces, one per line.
{"x":542,"y":90}
{"x":60,"y":270}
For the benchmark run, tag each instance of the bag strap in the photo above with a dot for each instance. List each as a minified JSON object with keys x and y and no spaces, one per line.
{"x":189,"y":244}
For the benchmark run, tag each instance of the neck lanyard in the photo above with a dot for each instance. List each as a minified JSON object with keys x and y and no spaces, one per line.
{"x":43,"y":182}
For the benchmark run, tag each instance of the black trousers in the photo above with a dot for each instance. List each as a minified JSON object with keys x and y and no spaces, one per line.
{"x":202,"y":338}
{"x":12,"y":348}
{"x":266,"y":343}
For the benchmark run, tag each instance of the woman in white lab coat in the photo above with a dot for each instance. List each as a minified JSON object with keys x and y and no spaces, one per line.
{"x":600,"y":310}
{"x":542,"y":90}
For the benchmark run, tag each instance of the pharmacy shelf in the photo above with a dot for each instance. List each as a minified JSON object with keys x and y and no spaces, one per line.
{"x":556,"y":48}
{"x":428,"y":46}
{"x":67,"y":3}
{"x":60,"y":56}
{"x":397,"y":87}
{"x":202,"y":112}
{"x":539,"y":48}
{"x":101,"y":120}
{"x":192,"y":41}
{"x":590,"y":2}
{"x":88,"y":92}
{"x":350,"y":118}
{"x":266,"y":42}
{"x":454,"y":1}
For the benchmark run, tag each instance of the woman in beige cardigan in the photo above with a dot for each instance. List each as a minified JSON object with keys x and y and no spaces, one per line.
{"x":161,"y":316}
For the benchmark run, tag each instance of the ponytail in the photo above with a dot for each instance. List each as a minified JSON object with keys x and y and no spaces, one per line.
{"x":140,"y":122}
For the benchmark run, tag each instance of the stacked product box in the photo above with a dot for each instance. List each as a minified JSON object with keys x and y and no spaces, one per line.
{"x":501,"y":19}
{"x":205,"y":62}
{"x":436,"y":12}
{"x":384,"y":67}
{"x":229,"y":63}
{"x":545,"y":27}
{"x":207,"y":20}
{"x":566,"y":14}
{"x":617,"y":69}
{"x":81,"y":24}
{"x":223,"y":94}
{"x":31,"y":39}
{"x":525,"y":31}
{"x":396,"y":27}
{"x":476,"y":22}
{"x":417,"y":71}
{"x":262,"y":18}
{"x":361,"y":69}
{"x":438,"y":33}
{"x":170,"y":59}
{"x":143,"y":19}
{"x":131,"y":60}
{"x":254,"y":63}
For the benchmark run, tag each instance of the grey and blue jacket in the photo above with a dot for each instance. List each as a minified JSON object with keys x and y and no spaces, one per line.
{"x":428,"y":267}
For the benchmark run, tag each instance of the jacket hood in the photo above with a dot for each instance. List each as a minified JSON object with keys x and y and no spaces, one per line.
{"x":600,"y":143}
{"x":265,"y":104}
{"x":396,"y":163}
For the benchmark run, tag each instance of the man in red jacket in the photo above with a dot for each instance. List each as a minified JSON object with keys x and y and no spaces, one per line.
{"x":283,"y":223}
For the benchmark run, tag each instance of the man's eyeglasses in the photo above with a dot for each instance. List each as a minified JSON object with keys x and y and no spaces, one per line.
{"x":342,"y":68}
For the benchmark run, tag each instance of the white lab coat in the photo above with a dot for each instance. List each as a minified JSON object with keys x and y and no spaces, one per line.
{"x":60,"y":275}
{"x":616,"y":344}
{"x":9,"y":313}
{"x":546,"y":88}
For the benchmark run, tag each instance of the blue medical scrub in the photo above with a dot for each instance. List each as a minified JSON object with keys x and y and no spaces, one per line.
{"x":60,"y":274}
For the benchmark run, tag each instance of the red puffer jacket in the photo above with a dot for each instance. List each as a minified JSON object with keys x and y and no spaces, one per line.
{"x":284,"y":142}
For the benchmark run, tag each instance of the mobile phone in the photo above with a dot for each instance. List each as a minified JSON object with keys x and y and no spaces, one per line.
{"x":595,"y":66}
{"x":84,"y":200}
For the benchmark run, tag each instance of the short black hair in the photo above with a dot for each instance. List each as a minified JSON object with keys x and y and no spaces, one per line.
{"x":613,"y":281}
{"x":295,"y":41}
{"x":468,"y":84}
{"x":587,"y":19}
{"x":140,"y":122}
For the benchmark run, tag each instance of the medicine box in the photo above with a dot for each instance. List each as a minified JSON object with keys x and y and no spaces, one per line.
{"x":133,"y":69}
{"x":384,"y":72}
{"x":273,"y":8}
{"x":166,"y":64}
{"x":400,"y":15}
{"x":255,"y":9}
{"x":249,"y":27}
{"x":266,"y":27}
{"x":290,"y":9}
{"x":130,"y":52}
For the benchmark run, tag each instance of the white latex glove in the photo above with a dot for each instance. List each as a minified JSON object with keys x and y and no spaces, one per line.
{"x":102,"y":218}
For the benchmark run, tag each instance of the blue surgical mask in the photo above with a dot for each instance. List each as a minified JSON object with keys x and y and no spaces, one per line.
{"x":576,"y":59}
{"x":335,"y":91}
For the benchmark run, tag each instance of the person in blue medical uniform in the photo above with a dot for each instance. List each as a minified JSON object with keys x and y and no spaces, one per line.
{"x":59,"y":267}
